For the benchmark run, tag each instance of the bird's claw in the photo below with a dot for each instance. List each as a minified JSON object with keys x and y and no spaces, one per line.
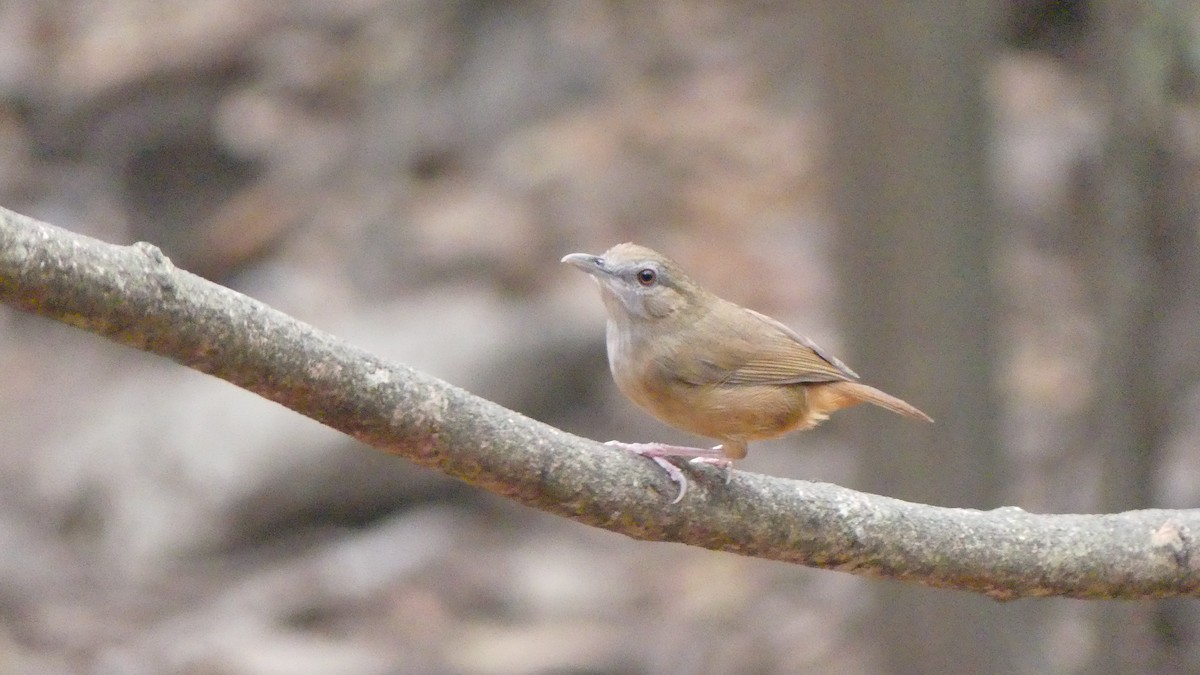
{"x":647,"y":450}
{"x":675,"y":474}
{"x":720,"y":462}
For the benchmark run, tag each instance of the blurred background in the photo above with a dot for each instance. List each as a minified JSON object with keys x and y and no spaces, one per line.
{"x":988,"y":208}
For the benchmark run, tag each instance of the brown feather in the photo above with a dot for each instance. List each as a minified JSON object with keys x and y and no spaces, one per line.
{"x":732,"y":345}
{"x":837,"y":395}
{"x":711,"y":367}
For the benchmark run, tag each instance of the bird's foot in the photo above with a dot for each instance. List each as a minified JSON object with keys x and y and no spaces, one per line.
{"x":658,"y":453}
{"x":720,"y":462}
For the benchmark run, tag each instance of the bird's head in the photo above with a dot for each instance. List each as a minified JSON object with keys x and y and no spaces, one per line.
{"x":637,"y":283}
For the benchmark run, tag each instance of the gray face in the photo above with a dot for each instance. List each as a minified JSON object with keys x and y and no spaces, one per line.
{"x":636,"y":283}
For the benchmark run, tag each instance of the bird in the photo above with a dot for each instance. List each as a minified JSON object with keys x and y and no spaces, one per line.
{"x":710,"y":367}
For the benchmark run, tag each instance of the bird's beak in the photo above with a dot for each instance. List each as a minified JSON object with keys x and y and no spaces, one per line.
{"x":592,"y":264}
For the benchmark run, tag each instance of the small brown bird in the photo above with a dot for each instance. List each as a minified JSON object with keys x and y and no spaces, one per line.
{"x":710,"y":367}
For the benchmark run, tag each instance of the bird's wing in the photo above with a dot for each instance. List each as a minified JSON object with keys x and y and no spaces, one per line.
{"x":755,"y":356}
{"x":802,"y":360}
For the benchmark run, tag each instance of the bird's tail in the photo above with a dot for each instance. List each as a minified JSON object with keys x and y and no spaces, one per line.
{"x":838,"y":395}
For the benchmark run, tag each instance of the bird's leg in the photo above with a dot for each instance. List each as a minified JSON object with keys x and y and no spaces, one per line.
{"x":659,"y":453}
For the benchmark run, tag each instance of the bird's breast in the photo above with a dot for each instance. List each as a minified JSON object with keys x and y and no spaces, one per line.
{"x":725,"y":412}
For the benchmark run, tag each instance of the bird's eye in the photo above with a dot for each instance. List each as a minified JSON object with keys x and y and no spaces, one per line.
{"x":646,"y":276}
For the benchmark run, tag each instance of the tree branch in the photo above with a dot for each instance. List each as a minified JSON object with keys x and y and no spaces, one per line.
{"x":135,"y":296}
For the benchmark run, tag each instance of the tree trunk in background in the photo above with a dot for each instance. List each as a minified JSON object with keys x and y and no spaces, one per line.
{"x":1140,"y":216}
{"x":916,"y":241}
